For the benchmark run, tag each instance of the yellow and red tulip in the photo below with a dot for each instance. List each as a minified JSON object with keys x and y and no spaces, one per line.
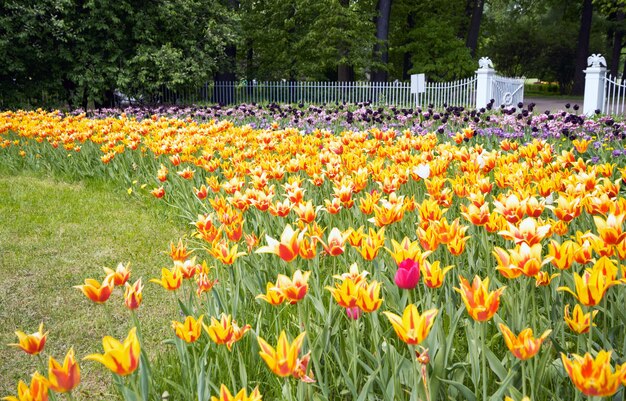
{"x":120,"y":358}
{"x":63,"y":378}
{"x":593,"y":376}
{"x":189,"y":330}
{"x":171,"y":280}
{"x":523,"y":346}
{"x":412,"y":328}
{"x":133,"y":295}
{"x":579,"y":322}
{"x":96,"y":291}
{"x":242,"y":395}
{"x":433,"y":274}
{"x":120,"y":275}
{"x":38,"y":390}
{"x":481,"y":304}
{"x":288,"y":246}
{"x":282,"y":360}
{"x":31,"y":343}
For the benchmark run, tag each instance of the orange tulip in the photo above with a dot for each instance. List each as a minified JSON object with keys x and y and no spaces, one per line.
{"x":158,"y":192}
{"x":591,"y":286}
{"x":562,"y":254}
{"x":433,"y":274}
{"x":372,"y":243}
{"x":336,"y":242}
{"x":96,"y":291}
{"x":528,"y":231}
{"x":567,"y":208}
{"x":225,"y":331}
{"x":220,"y":251}
{"x":63,"y":378}
{"x":204,"y":283}
{"x":120,"y":358}
{"x":478,"y":216}
{"x":369,"y":297}
{"x":170,"y":279}
{"x":579,"y":322}
{"x":190,"y":330}
{"x":610,"y":230}
{"x":480,"y":303}
{"x":406,"y":249}
{"x":346,"y":294}
{"x":38,"y":390}
{"x":31,"y":343}
{"x":593,"y":377}
{"x":524,"y":346}
{"x":242,"y":395}
{"x":543,"y":279}
{"x":120,"y":275}
{"x":179,"y":252}
{"x":510,"y":208}
{"x":273,"y":296}
{"x":133,"y":295}
{"x":293,"y":289}
{"x":282,"y":360}
{"x":412,"y":328}
{"x":287,"y":249}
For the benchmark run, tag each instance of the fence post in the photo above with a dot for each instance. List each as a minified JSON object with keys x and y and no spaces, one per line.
{"x":484,"y":82}
{"x":595,"y":75}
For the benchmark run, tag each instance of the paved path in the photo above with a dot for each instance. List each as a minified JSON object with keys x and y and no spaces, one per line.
{"x":553,"y":105}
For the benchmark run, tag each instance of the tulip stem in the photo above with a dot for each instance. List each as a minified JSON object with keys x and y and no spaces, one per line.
{"x":524,"y":393}
{"x":483,"y":359}
{"x":70,"y":397}
{"x":590,"y":337}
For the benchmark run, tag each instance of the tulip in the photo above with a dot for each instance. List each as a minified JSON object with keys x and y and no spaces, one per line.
{"x":369,"y":297}
{"x":434,"y":274}
{"x":579,"y":322}
{"x":120,"y":358}
{"x":158,"y":192}
{"x":96,"y":291}
{"x":408,"y":274}
{"x":31,"y":343}
{"x":528,"y":232}
{"x":220,"y":251}
{"x":273,"y":296}
{"x":190,"y":330}
{"x":287,"y":249}
{"x":591,"y":286}
{"x":524,"y":346}
{"x":562,"y":254}
{"x":293,"y":289}
{"x":170,"y":279}
{"x":336,"y":242}
{"x":204,"y":283}
{"x":63,"y":378}
{"x":593,"y":377}
{"x":480,"y":303}
{"x":179,"y":252}
{"x":282,"y":360}
{"x":120,"y":275}
{"x":133,"y":295}
{"x":38,"y":390}
{"x":412,"y":328}
{"x":242,"y":395}
{"x":610,"y":230}
{"x":225,"y":331}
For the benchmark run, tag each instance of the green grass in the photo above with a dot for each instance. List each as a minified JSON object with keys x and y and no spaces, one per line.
{"x":55,"y":234}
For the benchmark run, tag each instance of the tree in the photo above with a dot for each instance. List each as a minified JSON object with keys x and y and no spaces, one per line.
{"x":582,"y":48}
{"x":381,"y":47}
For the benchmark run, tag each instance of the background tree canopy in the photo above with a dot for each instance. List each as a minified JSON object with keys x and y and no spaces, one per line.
{"x":79,"y":52}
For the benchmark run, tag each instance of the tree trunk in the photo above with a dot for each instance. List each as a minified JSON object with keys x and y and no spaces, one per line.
{"x":471,"y":41}
{"x":618,"y":34}
{"x":381,"y":48}
{"x":345,"y":71}
{"x":225,"y":94}
{"x":407,"y":64}
{"x":582,"y":50}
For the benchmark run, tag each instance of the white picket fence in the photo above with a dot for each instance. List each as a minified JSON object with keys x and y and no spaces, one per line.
{"x":377,"y":93}
{"x":472,"y":92}
{"x":614,"y":96}
{"x":441,"y":94}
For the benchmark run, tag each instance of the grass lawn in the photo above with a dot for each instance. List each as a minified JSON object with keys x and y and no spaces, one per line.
{"x":55,"y":234}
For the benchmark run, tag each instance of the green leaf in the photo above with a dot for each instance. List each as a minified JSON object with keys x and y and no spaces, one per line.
{"x":468,"y":395}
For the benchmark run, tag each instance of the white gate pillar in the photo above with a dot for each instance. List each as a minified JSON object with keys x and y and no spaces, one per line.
{"x":595,"y":75}
{"x":484,"y":82}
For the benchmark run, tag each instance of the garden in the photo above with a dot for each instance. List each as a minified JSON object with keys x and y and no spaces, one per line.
{"x":317,"y":252}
